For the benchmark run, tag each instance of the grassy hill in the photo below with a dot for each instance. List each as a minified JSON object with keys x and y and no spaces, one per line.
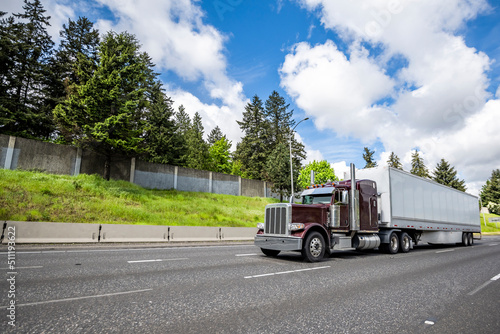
{"x":36,"y":196}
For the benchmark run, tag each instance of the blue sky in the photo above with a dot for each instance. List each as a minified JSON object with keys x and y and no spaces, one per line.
{"x":392,"y":75}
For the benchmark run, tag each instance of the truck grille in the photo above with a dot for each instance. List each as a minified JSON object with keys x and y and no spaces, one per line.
{"x":276,"y":219}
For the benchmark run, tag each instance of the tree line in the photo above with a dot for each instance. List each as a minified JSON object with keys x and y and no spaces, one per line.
{"x":101,"y":92}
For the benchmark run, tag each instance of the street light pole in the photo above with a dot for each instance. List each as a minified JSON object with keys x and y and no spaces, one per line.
{"x":291,"y":164}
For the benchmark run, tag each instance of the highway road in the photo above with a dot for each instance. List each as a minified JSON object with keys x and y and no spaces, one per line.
{"x":236,"y":289}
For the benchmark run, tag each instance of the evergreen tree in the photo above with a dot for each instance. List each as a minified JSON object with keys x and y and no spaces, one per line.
{"x":253,"y":149}
{"x":447,"y":175}
{"x":394,"y":161}
{"x":183,"y":122}
{"x":106,"y":113}
{"x":215,"y":135}
{"x":162,"y":142}
{"x":279,"y":128}
{"x":198,"y":156}
{"x":22,"y":107}
{"x":77,"y":53}
{"x":279,"y":120}
{"x":323,"y":173}
{"x":417,"y":165}
{"x":278,"y":170}
{"x":368,"y":156}
{"x":490,"y":192}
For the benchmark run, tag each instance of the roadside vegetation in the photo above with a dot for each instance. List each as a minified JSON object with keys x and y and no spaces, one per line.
{"x":490,"y":227}
{"x":38,"y":196}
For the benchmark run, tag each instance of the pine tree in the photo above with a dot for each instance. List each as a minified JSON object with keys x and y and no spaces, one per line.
{"x":253,"y":149}
{"x":368,"y":156}
{"x":417,"y":165}
{"x":198,"y":156}
{"x":447,"y":175}
{"x":394,"y":161}
{"x":77,"y":53}
{"x":30,"y":47}
{"x":279,"y":120}
{"x":106,"y":114}
{"x":279,"y":132}
{"x":215,"y":135}
{"x":162,"y":141}
{"x":490,"y":192}
{"x":278,"y":170}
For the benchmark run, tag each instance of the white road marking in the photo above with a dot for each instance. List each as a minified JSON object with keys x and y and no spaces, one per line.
{"x":252,"y":254}
{"x":287,"y":272}
{"x":429,"y":322}
{"x":79,"y":298}
{"x":446,"y":250}
{"x":157,"y":260}
{"x":495,"y":278}
{"x":32,"y":267}
{"x":495,"y":244}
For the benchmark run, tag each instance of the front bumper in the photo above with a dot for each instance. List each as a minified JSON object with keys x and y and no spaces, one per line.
{"x":278,"y":243}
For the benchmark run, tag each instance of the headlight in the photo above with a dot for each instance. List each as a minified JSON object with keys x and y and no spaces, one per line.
{"x":297,"y":226}
{"x":260,"y":226}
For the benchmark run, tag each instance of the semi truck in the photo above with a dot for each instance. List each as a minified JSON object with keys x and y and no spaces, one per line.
{"x":384,"y":208}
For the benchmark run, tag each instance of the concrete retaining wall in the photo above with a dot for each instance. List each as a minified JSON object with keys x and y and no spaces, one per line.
{"x":27,"y":154}
{"x":39,"y":232}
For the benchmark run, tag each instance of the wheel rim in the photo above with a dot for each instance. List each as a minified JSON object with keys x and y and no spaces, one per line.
{"x":406,"y":242}
{"x":394,"y":243}
{"x":315,"y":247}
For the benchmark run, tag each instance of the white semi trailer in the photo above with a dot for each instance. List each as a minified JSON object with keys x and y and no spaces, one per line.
{"x":386,"y":208}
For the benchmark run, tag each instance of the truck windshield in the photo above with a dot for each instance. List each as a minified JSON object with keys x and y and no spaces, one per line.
{"x":309,"y":199}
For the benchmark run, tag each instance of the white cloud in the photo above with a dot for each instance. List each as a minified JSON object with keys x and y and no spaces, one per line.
{"x":439,"y":94}
{"x":338,"y":92}
{"x":341,"y":169}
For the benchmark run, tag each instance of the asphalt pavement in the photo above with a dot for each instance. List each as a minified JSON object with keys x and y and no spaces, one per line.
{"x":234,"y":288}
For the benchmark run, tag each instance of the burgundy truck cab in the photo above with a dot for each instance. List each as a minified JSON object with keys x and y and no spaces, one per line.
{"x":325,"y":220}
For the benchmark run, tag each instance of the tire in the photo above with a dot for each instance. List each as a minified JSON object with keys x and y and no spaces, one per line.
{"x":465,"y":240}
{"x":270,"y":252}
{"x":470,"y":239}
{"x":404,"y":242}
{"x":393,"y":246}
{"x":314,"y":247}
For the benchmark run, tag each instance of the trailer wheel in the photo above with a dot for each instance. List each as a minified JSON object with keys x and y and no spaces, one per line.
{"x":314,"y":247}
{"x":470,"y":239}
{"x":393,"y":246}
{"x":404,"y":242}
{"x":465,"y":240}
{"x":270,"y":252}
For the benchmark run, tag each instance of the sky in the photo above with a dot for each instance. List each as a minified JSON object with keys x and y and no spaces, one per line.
{"x":390,"y":75}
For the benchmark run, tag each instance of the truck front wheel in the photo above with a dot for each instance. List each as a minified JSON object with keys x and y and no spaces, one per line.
{"x":270,"y":252}
{"x":314,"y":247}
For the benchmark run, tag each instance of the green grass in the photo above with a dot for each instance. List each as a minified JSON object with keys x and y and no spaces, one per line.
{"x":37,"y":196}
{"x":490,"y":227}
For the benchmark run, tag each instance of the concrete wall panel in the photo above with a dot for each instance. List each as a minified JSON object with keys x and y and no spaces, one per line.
{"x":38,"y":232}
{"x":52,"y":158}
{"x":194,"y":233}
{"x":252,"y":188}
{"x":238,"y":233}
{"x":133,"y":233}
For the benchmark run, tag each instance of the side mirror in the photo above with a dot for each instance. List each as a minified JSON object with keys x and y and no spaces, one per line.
{"x":345,"y":197}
